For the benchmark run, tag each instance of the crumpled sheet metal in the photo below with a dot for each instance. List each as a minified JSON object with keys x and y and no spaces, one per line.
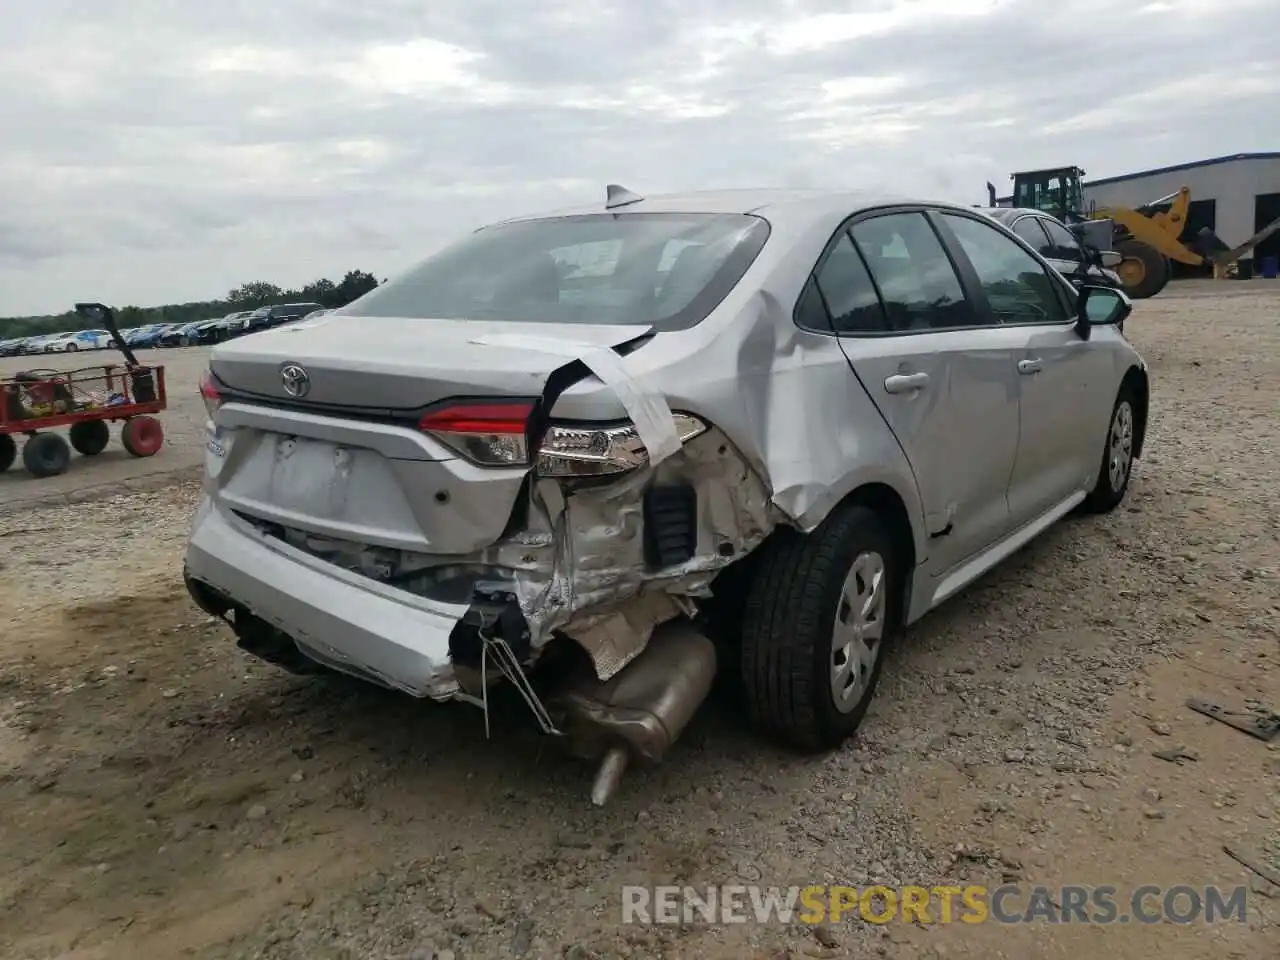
{"x":579,"y":566}
{"x":787,"y":399}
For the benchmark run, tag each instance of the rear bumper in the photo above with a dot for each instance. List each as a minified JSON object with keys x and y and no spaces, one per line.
{"x":338,"y":618}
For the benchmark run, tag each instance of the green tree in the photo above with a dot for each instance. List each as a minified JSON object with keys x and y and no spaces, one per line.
{"x":256,"y":294}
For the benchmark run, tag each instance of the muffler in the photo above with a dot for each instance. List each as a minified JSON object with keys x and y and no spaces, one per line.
{"x":636,"y":715}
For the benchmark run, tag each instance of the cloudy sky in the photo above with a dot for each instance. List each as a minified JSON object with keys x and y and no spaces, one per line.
{"x":166,"y":150}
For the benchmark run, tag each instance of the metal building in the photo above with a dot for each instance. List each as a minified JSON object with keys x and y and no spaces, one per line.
{"x":1235,"y":196}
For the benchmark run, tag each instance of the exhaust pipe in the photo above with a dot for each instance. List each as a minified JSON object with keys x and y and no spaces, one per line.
{"x":636,"y":715}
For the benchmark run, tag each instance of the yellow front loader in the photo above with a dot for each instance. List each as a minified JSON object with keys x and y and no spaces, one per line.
{"x":1148,"y":237}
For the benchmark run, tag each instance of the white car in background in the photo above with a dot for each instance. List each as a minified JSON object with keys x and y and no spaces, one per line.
{"x":80,"y":340}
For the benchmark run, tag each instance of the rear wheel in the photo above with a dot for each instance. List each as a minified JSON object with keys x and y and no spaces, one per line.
{"x":1144,"y":270}
{"x":8,"y":451}
{"x":46,"y":455}
{"x":142,"y":436}
{"x":90,"y":437}
{"x":817,"y":621}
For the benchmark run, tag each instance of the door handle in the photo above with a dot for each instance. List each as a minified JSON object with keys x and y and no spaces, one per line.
{"x":905,"y":382}
{"x":1028,"y":367}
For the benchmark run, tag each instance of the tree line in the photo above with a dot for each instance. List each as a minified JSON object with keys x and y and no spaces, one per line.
{"x":247,"y":296}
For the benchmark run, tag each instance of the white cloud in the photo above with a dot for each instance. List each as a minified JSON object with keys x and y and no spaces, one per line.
{"x":168,"y":151}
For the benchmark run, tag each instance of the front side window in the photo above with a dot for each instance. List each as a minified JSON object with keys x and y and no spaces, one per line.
{"x":1017,"y":286}
{"x":917,"y":282}
{"x":665,"y":269}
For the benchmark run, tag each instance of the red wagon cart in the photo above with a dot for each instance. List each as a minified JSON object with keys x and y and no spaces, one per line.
{"x":85,"y":400}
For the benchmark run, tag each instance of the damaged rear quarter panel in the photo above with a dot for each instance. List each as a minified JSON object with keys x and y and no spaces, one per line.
{"x":793,"y":433}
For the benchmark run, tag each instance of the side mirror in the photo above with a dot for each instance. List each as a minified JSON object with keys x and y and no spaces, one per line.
{"x":1111,"y":259}
{"x":1101,"y":307}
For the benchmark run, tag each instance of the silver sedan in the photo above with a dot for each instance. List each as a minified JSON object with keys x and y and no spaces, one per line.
{"x":601,"y":454}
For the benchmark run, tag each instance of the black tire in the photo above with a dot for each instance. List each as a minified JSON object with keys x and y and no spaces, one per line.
{"x":8,"y":451}
{"x":46,"y":455}
{"x":72,"y":348}
{"x":1145,"y":270}
{"x":788,"y":622}
{"x":184,"y":341}
{"x":1108,"y":490}
{"x":90,"y":437}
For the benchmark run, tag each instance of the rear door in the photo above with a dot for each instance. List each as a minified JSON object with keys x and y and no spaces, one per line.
{"x":937,"y":366}
{"x":1061,"y":381}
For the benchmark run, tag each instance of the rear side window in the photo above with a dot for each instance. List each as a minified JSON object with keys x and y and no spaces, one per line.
{"x":665,"y":269}
{"x":848,"y":292}
{"x":917,"y":282}
{"x":1017,"y":286}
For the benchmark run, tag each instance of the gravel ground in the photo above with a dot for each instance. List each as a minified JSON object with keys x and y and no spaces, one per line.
{"x":165,"y":796}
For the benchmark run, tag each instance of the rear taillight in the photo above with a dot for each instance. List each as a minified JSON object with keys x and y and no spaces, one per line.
{"x":490,"y":433}
{"x":209,"y":392}
{"x":600,"y":450}
{"x":497,"y":434}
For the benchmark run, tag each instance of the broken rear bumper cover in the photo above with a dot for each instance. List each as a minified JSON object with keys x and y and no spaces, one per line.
{"x":582,"y":567}
{"x":336,"y":617}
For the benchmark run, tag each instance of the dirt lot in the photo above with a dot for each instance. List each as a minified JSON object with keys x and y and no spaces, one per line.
{"x":164,"y":796}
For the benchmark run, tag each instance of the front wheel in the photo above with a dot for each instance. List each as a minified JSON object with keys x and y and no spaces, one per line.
{"x":72,"y":348}
{"x":818,"y":618}
{"x":1117,"y":457}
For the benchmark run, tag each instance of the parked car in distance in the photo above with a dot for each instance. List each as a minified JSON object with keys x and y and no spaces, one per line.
{"x":73,"y":342}
{"x":144,"y":337}
{"x":225,"y":328}
{"x":313,"y":315}
{"x":759,"y":431}
{"x":180,"y":335}
{"x":1053,"y":240}
{"x":12,"y":347}
{"x":266,"y":317}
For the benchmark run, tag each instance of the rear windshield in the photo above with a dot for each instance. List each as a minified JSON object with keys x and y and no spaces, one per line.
{"x":665,"y":269}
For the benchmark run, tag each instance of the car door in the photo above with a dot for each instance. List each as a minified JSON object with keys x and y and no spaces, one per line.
{"x":938,"y":369}
{"x":1059,"y":375}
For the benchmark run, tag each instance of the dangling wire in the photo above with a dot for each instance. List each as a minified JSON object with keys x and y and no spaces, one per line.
{"x":506,"y":662}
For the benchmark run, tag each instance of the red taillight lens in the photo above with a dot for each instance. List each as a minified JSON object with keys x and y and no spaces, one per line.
{"x":209,"y":392}
{"x":493,"y":434}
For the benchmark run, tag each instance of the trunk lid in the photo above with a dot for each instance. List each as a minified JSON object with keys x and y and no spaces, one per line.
{"x":383,"y":363}
{"x":325,"y":465}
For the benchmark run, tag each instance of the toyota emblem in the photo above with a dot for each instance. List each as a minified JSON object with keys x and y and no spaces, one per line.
{"x":296,"y":380}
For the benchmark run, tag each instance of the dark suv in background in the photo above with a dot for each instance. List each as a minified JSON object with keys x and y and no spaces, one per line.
{"x":265,"y":317}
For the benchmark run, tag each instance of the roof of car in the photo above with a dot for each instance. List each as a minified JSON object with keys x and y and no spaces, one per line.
{"x":1003,"y":213}
{"x":786,"y":202}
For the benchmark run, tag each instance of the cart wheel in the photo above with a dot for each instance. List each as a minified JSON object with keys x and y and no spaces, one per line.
{"x":46,"y":455}
{"x":8,"y":452}
{"x":142,"y":436}
{"x":90,"y":437}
